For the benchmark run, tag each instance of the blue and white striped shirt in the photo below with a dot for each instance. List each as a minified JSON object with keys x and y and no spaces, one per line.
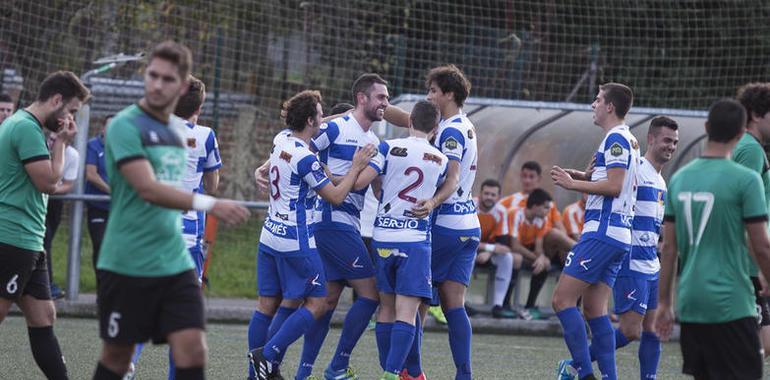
{"x":650,"y":197}
{"x":609,"y":218}
{"x":336,"y":145}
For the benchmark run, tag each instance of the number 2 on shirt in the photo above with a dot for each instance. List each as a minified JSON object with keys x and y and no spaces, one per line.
{"x":404,"y":194}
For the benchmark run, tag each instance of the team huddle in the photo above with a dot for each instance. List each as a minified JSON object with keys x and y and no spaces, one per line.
{"x":710,"y":225}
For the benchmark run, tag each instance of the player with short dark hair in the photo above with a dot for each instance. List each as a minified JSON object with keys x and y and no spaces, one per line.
{"x":636,"y":288}
{"x":749,"y":152}
{"x":715,"y":222}
{"x":7,"y":107}
{"x":290,"y":272}
{"x":28,"y":173}
{"x":553,"y":248}
{"x":147,"y":284}
{"x":456,"y":232}
{"x":591,"y":267}
{"x":412,"y":170}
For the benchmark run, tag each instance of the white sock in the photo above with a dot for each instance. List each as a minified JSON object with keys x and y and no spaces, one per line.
{"x":504,"y":264}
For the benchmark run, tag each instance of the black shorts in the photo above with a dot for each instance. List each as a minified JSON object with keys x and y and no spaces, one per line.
{"x":136,"y":309}
{"x":763,"y":304}
{"x":23,"y":272}
{"x":722,"y":351}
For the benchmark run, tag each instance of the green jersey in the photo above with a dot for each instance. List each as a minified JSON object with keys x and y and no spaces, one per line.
{"x":143,"y":239}
{"x":22,"y":206}
{"x":749,"y":153}
{"x":709,"y":200}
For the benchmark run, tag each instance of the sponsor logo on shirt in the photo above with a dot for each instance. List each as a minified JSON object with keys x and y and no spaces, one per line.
{"x":431,"y":157}
{"x":285,"y":156}
{"x":275,"y":228}
{"x":409,"y":224}
{"x":398,"y":152}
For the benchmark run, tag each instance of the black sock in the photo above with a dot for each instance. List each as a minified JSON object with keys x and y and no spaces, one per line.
{"x":104,"y":373}
{"x":190,"y":373}
{"x":46,"y":351}
{"x":538,"y":280}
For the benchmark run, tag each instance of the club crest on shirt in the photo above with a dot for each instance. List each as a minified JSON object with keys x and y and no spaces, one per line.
{"x":192,"y":142}
{"x":616,"y":150}
{"x":450,"y":143}
{"x":285,"y":156}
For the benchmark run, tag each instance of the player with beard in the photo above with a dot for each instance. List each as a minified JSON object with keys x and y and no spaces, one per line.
{"x":345,"y":257}
{"x":28,"y":173}
{"x":148,"y":288}
{"x":455,"y":235}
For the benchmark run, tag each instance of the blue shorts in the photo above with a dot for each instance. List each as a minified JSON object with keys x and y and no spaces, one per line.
{"x":404,"y":268}
{"x":291,"y":276}
{"x":344,"y":255}
{"x":453,"y":255}
{"x":635,"y":294}
{"x":593,"y":260}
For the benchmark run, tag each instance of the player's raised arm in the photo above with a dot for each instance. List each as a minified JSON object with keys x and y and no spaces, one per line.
{"x":397,"y":116}
{"x":46,"y":174}
{"x":336,"y":194}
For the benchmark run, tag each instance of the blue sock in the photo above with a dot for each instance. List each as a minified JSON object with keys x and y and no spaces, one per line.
{"x":603,"y":341}
{"x":314,"y":339}
{"x":257,"y":335}
{"x":355,"y":324}
{"x":137,"y":353}
{"x":460,"y":341}
{"x":620,"y":339}
{"x":400,"y":343}
{"x":577,"y":340}
{"x":294,"y":327}
{"x":620,"y":342}
{"x":413,"y":363}
{"x":172,"y":366}
{"x":649,"y":355}
{"x":382,"y":331}
{"x":275,"y":325}
{"x":278,"y":319}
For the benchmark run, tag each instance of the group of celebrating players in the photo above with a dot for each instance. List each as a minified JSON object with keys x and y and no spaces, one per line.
{"x":425,"y":237}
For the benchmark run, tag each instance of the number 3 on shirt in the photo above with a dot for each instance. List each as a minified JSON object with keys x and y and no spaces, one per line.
{"x":274,"y":183}
{"x":404,"y":194}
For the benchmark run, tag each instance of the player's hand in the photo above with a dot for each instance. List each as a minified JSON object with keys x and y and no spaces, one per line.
{"x":362,"y":156}
{"x":501,"y":249}
{"x":664,"y":323}
{"x":423,"y":208}
{"x":540,"y":264}
{"x":67,"y":128}
{"x":763,"y":289}
{"x":482,"y":257}
{"x":230,"y":212}
{"x":262,"y":176}
{"x":561,"y":178}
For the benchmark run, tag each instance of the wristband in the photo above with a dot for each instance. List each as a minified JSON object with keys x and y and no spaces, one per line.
{"x":202,"y":202}
{"x":489,"y":247}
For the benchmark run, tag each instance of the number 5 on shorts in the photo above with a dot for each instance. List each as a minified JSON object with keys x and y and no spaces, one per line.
{"x":568,"y":260}
{"x":112,"y":328}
